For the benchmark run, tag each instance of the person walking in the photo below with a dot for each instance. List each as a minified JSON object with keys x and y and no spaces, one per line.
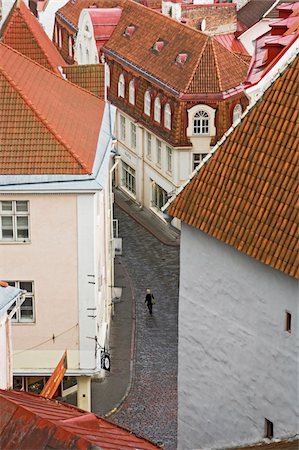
{"x":149,"y":300}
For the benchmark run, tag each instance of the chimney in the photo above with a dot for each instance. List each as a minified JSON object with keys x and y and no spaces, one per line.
{"x":166,"y":7}
{"x":176,"y":10}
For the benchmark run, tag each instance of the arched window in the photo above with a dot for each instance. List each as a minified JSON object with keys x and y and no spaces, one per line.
{"x":59,"y":37}
{"x":201,"y":122}
{"x":237,"y":112}
{"x":56,"y":34}
{"x":167,"y":116}
{"x":157,"y":110}
{"x":132,"y":92}
{"x":147,"y":103}
{"x":107,"y":75}
{"x":70,"y":46}
{"x":121,"y":86}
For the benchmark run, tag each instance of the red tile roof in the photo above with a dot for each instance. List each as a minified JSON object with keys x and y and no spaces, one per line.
{"x":31,"y":421}
{"x":87,"y":76}
{"x":51,"y":125}
{"x":209,"y":68}
{"x":23,"y":32}
{"x":253,"y":11}
{"x":245,"y":193}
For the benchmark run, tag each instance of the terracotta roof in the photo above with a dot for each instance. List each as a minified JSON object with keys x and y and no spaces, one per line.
{"x":244,"y":194}
{"x":253,"y":11}
{"x":23,"y":32}
{"x":70,"y":12}
{"x":31,"y":421}
{"x":89,"y":77}
{"x":51,"y":125}
{"x":209,"y":66}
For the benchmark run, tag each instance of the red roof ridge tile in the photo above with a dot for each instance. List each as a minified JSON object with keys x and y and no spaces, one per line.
{"x":42,"y":119}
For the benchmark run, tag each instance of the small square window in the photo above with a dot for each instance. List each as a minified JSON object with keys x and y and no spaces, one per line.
{"x":288,"y":325}
{"x":268,"y":429}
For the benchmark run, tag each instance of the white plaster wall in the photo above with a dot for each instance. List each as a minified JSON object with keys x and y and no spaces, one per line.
{"x":237,"y":364}
{"x":47,"y":16}
{"x":50,"y":261}
{"x":85,"y":46}
{"x":249,"y":36}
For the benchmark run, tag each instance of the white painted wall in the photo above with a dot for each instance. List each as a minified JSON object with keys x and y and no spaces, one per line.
{"x":237,"y":364}
{"x":85,"y":46}
{"x":249,"y":36}
{"x":47,"y":16}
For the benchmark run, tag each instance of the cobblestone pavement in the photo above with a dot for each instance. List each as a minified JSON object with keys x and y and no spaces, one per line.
{"x":151,"y":407}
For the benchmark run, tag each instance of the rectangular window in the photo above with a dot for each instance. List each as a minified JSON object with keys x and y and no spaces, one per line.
{"x":169,"y":159}
{"x":269,"y":432}
{"x":159,"y":196}
{"x":25,"y":313}
{"x":133,"y":135}
{"x":128,"y":178}
{"x":122,"y":128}
{"x":159,"y":152}
{"x":14,"y":218}
{"x":197,"y":159}
{"x":148,"y":144}
{"x":288,"y":322}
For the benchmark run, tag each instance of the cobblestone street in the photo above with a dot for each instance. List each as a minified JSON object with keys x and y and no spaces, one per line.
{"x":151,"y":407}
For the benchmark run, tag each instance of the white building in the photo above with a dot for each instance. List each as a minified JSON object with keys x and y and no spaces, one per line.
{"x":55,"y":210}
{"x":238,"y":303}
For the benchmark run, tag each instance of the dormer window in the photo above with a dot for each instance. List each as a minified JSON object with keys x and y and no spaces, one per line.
{"x":121,"y":86}
{"x":132,"y":92}
{"x":157,"y":110}
{"x":129,"y":31}
{"x":237,"y":112}
{"x":147,"y":103}
{"x":201,"y":123}
{"x":158,"y":46}
{"x":181,"y":58}
{"x":167,"y":116}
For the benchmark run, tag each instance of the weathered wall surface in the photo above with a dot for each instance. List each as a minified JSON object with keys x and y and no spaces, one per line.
{"x":237,"y":364}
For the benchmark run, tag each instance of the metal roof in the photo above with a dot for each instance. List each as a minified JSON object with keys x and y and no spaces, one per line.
{"x":8,"y":296}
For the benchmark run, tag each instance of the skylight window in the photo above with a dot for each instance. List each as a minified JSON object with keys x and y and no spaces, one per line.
{"x":158,"y":46}
{"x":181,"y":58}
{"x":130,"y":30}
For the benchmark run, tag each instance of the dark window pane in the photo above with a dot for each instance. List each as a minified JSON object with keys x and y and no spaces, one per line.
{"x":26,"y":285}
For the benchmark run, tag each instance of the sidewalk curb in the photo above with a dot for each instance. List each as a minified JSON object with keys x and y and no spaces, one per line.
{"x":163,"y":241}
{"x":133,"y":347}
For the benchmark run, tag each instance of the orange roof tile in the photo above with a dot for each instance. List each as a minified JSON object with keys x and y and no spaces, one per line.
{"x":209,"y":66}
{"x":89,"y":77}
{"x":51,"y":125}
{"x":23,"y":32}
{"x":31,"y":421}
{"x":244,"y":194}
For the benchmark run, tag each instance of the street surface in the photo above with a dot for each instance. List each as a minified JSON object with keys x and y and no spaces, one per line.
{"x":151,"y":406}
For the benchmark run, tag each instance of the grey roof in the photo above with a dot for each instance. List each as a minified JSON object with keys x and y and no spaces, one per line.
{"x":8,"y":295}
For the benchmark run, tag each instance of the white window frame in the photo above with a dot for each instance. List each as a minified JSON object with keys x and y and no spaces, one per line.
{"x":157,"y":110}
{"x":128,"y":178}
{"x":198,"y":158}
{"x":70,"y":46}
{"x":122,"y":126}
{"x":56,"y":34}
{"x":192,"y":112}
{"x":201,"y":122}
{"x":59,"y":37}
{"x":107,"y":74}
{"x":159,"y":152}
{"x":169,"y":159}
{"x":148,"y":145}
{"x":16,"y":217}
{"x":17,"y":317}
{"x":167,"y":116}
{"x":237,"y":112}
{"x":121,"y":86}
{"x":147,"y":103}
{"x":133,"y":135}
{"x":158,"y":194}
{"x":132,"y":92}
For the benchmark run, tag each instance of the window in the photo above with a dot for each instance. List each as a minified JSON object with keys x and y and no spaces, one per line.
{"x":148,"y":145}
{"x":169,"y":159}
{"x":147,"y":103}
{"x":26,"y":311}
{"x":201,"y":123}
{"x":132,"y":92}
{"x":14,"y":220}
{"x":107,"y":75}
{"x":157,"y":110}
{"x":288,"y":324}
{"x":167,"y":116}
{"x":128,"y":178}
{"x":237,"y":112}
{"x":56,"y":34}
{"x":133,"y":135}
{"x":159,"y":196}
{"x":121,"y":86}
{"x":268,"y":429}
{"x":70,"y":46}
{"x":59,"y":37}
{"x":158,"y":142}
{"x":197,"y":159}
{"x":122,"y":128}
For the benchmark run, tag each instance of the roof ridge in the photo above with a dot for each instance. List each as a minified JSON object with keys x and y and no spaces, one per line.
{"x":217,"y":65}
{"x":198,"y":62}
{"x":44,"y":120}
